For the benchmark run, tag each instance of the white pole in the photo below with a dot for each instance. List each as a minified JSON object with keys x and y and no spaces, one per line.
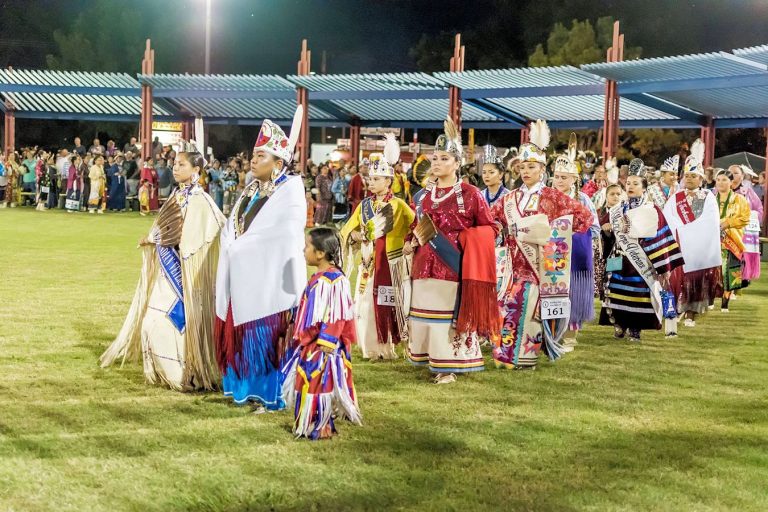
{"x":207,"y":37}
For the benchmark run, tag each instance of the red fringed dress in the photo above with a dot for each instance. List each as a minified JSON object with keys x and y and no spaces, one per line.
{"x":445,"y":317}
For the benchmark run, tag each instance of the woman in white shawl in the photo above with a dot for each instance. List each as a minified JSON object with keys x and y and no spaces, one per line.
{"x":262,"y":273}
{"x":170,"y":322}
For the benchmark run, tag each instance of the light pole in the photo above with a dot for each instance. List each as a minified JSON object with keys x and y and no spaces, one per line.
{"x":207,"y":37}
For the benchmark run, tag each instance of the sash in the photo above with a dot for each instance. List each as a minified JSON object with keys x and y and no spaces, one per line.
{"x":530,"y":251}
{"x":684,"y":209}
{"x":443,"y":247}
{"x":730,"y":244}
{"x":637,"y":257}
{"x":170,"y":263}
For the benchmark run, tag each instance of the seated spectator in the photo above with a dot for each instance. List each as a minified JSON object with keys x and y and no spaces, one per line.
{"x":78,"y":147}
{"x":131,"y":147}
{"x":96,"y":148}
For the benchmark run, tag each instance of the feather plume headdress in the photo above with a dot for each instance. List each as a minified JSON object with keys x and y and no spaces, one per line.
{"x":611,"y":171}
{"x":450,"y":140}
{"x":566,"y":162}
{"x":383,"y":164}
{"x":489,"y":155}
{"x":535,"y":150}
{"x":671,"y":164}
{"x":273,"y":140}
{"x":695,"y":161}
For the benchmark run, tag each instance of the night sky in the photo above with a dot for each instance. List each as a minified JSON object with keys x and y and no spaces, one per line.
{"x":264,"y":36}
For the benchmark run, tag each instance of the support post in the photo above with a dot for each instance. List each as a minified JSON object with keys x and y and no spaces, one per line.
{"x":9,"y":130}
{"x":302,"y":98}
{"x":708,"y":138}
{"x":145,"y":124}
{"x":454,"y":93}
{"x":525,"y":134}
{"x":611,"y":108}
{"x":187,"y":127}
{"x":354,"y":142}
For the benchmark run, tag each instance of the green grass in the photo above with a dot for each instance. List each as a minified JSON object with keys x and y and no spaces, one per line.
{"x":665,"y":425}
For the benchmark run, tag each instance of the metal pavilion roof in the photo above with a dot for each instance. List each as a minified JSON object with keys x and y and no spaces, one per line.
{"x":372,"y":86}
{"x":232,"y":99}
{"x":755,"y":53}
{"x":81,"y":106}
{"x":545,"y":81}
{"x":63,"y":82}
{"x":583,"y":112}
{"x":219,"y":86}
{"x":408,"y":112}
{"x":74,"y":95}
{"x":247,"y":110}
{"x":730,"y":88}
{"x":679,"y":91}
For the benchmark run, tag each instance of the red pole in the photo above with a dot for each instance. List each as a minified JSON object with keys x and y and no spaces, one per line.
{"x":145,"y":124}
{"x":454,"y":93}
{"x":354,"y":143}
{"x":302,"y":98}
{"x":525,"y":135}
{"x":611,"y":114}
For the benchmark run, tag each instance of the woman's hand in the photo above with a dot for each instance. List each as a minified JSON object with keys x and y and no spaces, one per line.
{"x":606,"y":227}
{"x":664,"y":280}
{"x":410,"y":247}
{"x":724,"y":224}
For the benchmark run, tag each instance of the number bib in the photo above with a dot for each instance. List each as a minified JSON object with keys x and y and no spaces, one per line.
{"x":386,"y":296}
{"x":555,"y":307}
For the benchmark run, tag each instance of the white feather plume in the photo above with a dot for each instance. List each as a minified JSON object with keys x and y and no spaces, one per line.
{"x":572,"y":147}
{"x":298,"y":117}
{"x":391,"y":149}
{"x":748,"y":171}
{"x":539,"y":134}
{"x":697,"y":150}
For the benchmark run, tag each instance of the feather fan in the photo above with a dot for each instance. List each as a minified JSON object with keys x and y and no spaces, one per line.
{"x":169,"y":223}
{"x":383,"y":222}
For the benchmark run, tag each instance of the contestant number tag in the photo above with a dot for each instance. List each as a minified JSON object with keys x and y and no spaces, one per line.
{"x":559,"y":307}
{"x":386,"y":296}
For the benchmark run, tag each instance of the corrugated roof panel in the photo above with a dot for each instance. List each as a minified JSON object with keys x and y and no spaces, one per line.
{"x":577,"y":108}
{"x":218,"y":82}
{"x":408,"y":110}
{"x":368,"y":82}
{"x":246,"y":108}
{"x":682,"y":67}
{"x":755,"y":53}
{"x":67,"y":78}
{"x":723,"y":103}
{"x":81,"y":103}
{"x":517,"y":78}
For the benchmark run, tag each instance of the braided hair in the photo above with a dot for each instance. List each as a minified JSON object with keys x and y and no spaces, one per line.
{"x":328,"y":241}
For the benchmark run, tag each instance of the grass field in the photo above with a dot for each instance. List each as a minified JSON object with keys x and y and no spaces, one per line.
{"x":664,"y":425}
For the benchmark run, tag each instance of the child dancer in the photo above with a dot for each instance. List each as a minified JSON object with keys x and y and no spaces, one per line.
{"x":318,"y":376}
